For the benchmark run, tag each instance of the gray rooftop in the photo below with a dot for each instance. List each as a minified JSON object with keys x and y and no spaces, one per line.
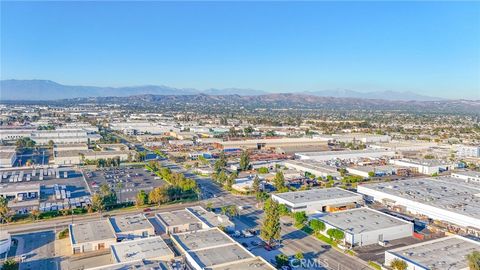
{"x":145,"y":248}
{"x":316,"y":195}
{"x":130,"y":223}
{"x":137,"y":265}
{"x":210,"y":218}
{"x":176,"y":218}
{"x":362,"y":220}
{"x":343,"y":152}
{"x":446,"y":193}
{"x":468,"y":173}
{"x":250,"y":263}
{"x":91,"y":231}
{"x":441,"y":254}
{"x":312,"y":165}
{"x":219,"y":255}
{"x":202,"y":239}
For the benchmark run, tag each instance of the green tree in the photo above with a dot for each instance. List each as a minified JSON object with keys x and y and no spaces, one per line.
{"x":35,"y":213}
{"x":10,"y":264}
{"x":270,"y":230}
{"x":245,"y":161}
{"x":336,"y":234}
{"x":51,"y":144}
{"x":4,"y":210}
{"x":284,"y":211}
{"x":281,"y":260}
{"x":299,"y":256}
{"x":371,"y":174}
{"x":97,"y":202}
{"x":256,"y":185}
{"x":279,"y":181}
{"x":220,"y":163}
{"x":141,"y":199}
{"x":317,"y":226}
{"x":300,"y":218}
{"x":473,"y":260}
{"x":262,"y":170}
{"x":398,"y":264}
{"x":159,"y":195}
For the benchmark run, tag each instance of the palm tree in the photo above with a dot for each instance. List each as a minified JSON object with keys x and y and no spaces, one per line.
{"x":398,"y":264}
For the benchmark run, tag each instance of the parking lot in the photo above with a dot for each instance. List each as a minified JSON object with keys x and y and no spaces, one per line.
{"x":126,"y":182}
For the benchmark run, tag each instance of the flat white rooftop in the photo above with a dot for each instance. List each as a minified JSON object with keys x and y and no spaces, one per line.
{"x":251,"y":263}
{"x":317,"y":195}
{"x":202,"y":239}
{"x":144,"y":248}
{"x":440,"y":254}
{"x":362,"y":220}
{"x":176,"y":218}
{"x":91,"y":231}
{"x":444,"y":192}
{"x":130,"y":223}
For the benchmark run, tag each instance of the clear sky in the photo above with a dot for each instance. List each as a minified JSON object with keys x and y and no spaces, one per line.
{"x":430,"y":48}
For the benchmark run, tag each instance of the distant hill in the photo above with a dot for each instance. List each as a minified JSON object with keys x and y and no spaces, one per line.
{"x":385,"y":95}
{"x":49,"y":90}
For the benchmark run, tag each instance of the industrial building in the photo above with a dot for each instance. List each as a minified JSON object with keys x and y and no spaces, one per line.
{"x":211,"y":219}
{"x":91,"y":236}
{"x":191,"y":219}
{"x":8,"y":156}
{"x":213,"y":249}
{"x":443,"y":199}
{"x":365,"y":226}
{"x":356,"y":137}
{"x":378,"y":171}
{"x":152,"y":248}
{"x":20,"y":191}
{"x":467,"y":176}
{"x":179,"y":221}
{"x":345,"y":154}
{"x":468,"y":151}
{"x":132,"y":226}
{"x":319,"y":200}
{"x":105,"y":151}
{"x":43,"y":137}
{"x":313,"y":167}
{"x":270,"y":143}
{"x":425,"y":166}
{"x":440,"y":254}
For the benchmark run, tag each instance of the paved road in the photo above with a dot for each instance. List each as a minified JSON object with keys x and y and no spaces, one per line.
{"x":64,"y":222}
{"x":40,"y":250}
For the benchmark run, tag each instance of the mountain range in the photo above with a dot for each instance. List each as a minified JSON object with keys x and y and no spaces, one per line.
{"x":50,"y":90}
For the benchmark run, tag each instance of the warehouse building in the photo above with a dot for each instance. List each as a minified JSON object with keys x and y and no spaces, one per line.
{"x":213,"y":249}
{"x":378,"y":171}
{"x":468,"y":176}
{"x":91,"y":236}
{"x":312,"y":167}
{"x":364,"y":226}
{"x":153,"y":248}
{"x":211,"y":219}
{"x":319,"y":200}
{"x":20,"y":192}
{"x":468,"y":151}
{"x":132,"y":226}
{"x":8,"y":156}
{"x":345,"y":154}
{"x":270,"y":143}
{"x":66,"y":156}
{"x":443,"y":199}
{"x":179,"y":221}
{"x":192,"y":219}
{"x":440,"y":254}
{"x":425,"y":166}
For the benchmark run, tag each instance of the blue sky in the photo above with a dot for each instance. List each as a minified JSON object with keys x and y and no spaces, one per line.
{"x":430,"y":48}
